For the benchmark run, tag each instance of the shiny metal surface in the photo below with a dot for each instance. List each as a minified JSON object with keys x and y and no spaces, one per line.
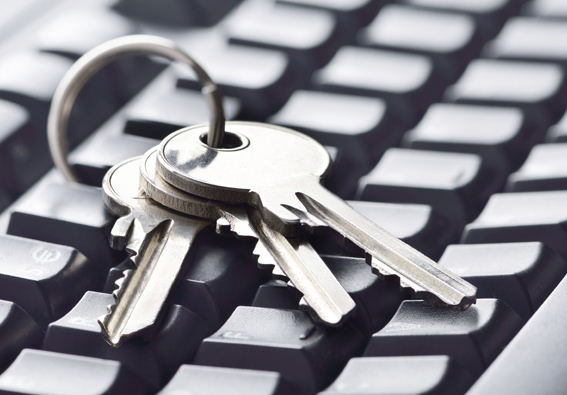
{"x":158,"y":240}
{"x":294,"y":257}
{"x":88,"y":64}
{"x":279,"y":172}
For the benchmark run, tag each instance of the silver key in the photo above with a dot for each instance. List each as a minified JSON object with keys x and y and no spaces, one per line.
{"x":159,"y":241}
{"x":296,"y":258}
{"x":278,"y":171}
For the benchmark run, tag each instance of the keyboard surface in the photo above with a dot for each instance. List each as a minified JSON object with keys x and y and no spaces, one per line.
{"x":447,"y":125}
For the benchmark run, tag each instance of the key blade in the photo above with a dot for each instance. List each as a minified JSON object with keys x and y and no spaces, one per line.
{"x":389,"y":255}
{"x":322,"y":292}
{"x":141,"y":296}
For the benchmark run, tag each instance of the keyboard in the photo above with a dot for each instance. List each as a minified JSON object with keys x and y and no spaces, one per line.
{"x":447,"y":124}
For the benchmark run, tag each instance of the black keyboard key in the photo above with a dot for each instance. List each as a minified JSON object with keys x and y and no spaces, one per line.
{"x":277,"y":294}
{"x":344,"y":173}
{"x":548,"y":8}
{"x":539,"y":89}
{"x":376,"y":299}
{"x":355,"y":13}
{"x":489,"y":14}
{"x":19,"y":80}
{"x":210,"y":380}
{"x":558,"y":132}
{"x":545,"y":169}
{"x":520,"y":274}
{"x":499,"y":135}
{"x":163,"y":108}
{"x":17,"y":331}
{"x":309,"y":37}
{"x":68,"y":214}
{"x":176,"y":13}
{"x":176,"y":340}
{"x":23,"y":149}
{"x":435,"y":374}
{"x":538,"y":351}
{"x":405,"y":81}
{"x":418,"y":225}
{"x":44,"y":279}
{"x":529,"y":39}
{"x":45,"y":372}
{"x":30,"y":79}
{"x":473,"y":337}
{"x":360,"y":126}
{"x":523,"y":216}
{"x":454,"y":184}
{"x":261,"y":79}
{"x":92,"y":159}
{"x":285,"y":341}
{"x":450,"y":40}
{"x":222,"y":273}
{"x":76,"y":30}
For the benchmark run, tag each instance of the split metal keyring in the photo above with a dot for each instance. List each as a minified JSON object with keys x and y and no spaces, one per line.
{"x":95,"y":59}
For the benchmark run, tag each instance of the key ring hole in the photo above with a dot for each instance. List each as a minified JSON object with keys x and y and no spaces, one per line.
{"x":230,"y":142}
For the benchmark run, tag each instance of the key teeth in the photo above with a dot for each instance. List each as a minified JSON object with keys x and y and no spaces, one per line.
{"x":120,"y":285}
{"x":385,"y":272}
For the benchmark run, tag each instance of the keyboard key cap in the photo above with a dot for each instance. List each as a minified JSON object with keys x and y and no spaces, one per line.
{"x":539,"y":89}
{"x":163,"y":108}
{"x":348,"y":12}
{"x":261,"y":79}
{"x":530,"y":39}
{"x":24,"y":154}
{"x":309,"y":37}
{"x":30,"y":79}
{"x":345,"y":172}
{"x":525,"y":216}
{"x":222,"y":273}
{"x":77,"y":30}
{"x":454,"y":184}
{"x":44,"y":279}
{"x":357,"y":125}
{"x":499,"y":135}
{"x":44,"y":372}
{"x":92,"y":159}
{"x":537,"y":351}
{"x":558,"y":132}
{"x":78,"y":332}
{"x":418,"y":225}
{"x":450,"y":40}
{"x":544,"y":170}
{"x":405,"y":81}
{"x":68,"y":214}
{"x":548,"y":8}
{"x":209,"y":380}
{"x":435,"y":374}
{"x":376,"y":299}
{"x":176,"y":13}
{"x":488,"y":14}
{"x":520,"y":274}
{"x":276,"y":294}
{"x":17,"y":331}
{"x":285,"y":341}
{"x":473,"y":337}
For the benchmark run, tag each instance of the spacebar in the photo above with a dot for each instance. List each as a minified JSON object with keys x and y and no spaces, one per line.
{"x":535,"y":361}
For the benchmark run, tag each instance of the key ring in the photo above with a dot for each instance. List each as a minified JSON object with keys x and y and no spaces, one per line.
{"x":98,"y":57}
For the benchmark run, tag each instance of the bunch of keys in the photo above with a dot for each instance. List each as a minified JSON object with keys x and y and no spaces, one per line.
{"x":249,"y":179}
